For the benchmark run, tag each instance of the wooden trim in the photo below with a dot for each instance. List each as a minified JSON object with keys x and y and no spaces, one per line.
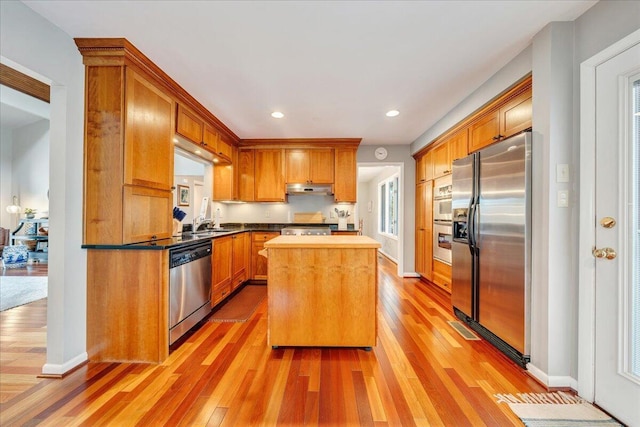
{"x":119,"y":51}
{"x":495,"y":103}
{"x":300,"y":143}
{"x":25,"y":84}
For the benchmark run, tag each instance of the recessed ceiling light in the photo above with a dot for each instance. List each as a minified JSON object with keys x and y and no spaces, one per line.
{"x":277,"y":115}
{"x":198,"y":152}
{"x":392,"y":113}
{"x":175,"y":141}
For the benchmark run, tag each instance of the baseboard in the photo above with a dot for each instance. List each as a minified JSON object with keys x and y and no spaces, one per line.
{"x":58,"y":371}
{"x":410,"y":274}
{"x":552,"y":382}
{"x":387,"y":256}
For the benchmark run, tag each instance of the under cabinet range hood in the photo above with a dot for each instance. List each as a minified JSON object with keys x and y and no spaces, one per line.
{"x":311,"y":189}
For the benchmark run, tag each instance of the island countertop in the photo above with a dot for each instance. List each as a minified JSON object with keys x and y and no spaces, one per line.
{"x":319,"y":242}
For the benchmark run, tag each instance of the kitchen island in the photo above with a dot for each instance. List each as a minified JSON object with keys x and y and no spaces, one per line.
{"x":322,"y":291}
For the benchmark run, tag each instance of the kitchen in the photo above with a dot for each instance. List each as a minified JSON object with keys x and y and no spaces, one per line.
{"x":558,"y":362}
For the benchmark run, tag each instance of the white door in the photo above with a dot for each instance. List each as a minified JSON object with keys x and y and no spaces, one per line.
{"x":617,"y":269}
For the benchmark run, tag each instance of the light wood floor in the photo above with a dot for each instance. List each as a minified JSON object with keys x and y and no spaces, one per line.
{"x":421,"y":372}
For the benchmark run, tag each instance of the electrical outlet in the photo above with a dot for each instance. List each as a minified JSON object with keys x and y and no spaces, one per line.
{"x":563,"y":198}
{"x":332,"y":214}
{"x":267,"y":214}
{"x":562,"y":172}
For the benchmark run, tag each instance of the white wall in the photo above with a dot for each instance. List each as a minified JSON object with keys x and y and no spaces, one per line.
{"x":30,"y":172}
{"x":272,"y":213}
{"x":6,"y":170}
{"x":33,"y":45}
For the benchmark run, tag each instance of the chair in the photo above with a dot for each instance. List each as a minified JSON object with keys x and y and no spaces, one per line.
{"x":4,"y":238}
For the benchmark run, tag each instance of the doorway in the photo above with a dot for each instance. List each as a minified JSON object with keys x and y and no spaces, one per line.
{"x":381,"y":207}
{"x":609,"y":313}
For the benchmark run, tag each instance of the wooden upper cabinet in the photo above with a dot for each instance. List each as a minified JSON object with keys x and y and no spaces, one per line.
{"x":512,"y":117}
{"x":441,"y":160}
{"x":246,"y":175}
{"x":148,"y":134}
{"x":515,"y":115}
{"x":344,"y":187}
{"x":224,"y":149}
{"x":128,"y":158}
{"x":198,"y":131}
{"x":146,"y":214}
{"x":226,"y":179}
{"x":269,"y":175}
{"x":210,"y":139}
{"x":459,"y":145}
{"x":189,"y":125}
{"x":450,"y":149}
{"x":485,"y":131}
{"x":424,"y":167}
{"x":309,"y":166}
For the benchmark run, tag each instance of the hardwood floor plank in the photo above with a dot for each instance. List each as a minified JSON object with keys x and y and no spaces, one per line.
{"x":420,"y":372}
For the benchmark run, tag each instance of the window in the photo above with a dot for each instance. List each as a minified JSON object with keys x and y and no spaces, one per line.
{"x":388,"y":206}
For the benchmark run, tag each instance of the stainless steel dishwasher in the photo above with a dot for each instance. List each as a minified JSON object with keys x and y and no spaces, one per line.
{"x":189,"y":287}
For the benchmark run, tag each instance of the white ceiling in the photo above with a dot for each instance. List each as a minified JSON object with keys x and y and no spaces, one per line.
{"x":332,"y":67}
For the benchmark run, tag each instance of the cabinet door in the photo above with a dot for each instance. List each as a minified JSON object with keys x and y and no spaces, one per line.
{"x":321,"y":166}
{"x":442,"y":275}
{"x":148,"y":134}
{"x":441,"y":160}
{"x":223,"y":182}
{"x":189,"y":125}
{"x":240,"y":261}
{"x":344,"y":186}
{"x":421,"y":169}
{"x":210,"y":139}
{"x":515,"y":116}
{"x":246,"y":175}
{"x":297,"y":163}
{"x":485,"y":131}
{"x":458,"y":146}
{"x":269,"y":176}
{"x":428,"y":165}
{"x":146,"y":214}
{"x":424,"y":220}
{"x":224,"y":149}
{"x":258,"y":262}
{"x":221,"y":268}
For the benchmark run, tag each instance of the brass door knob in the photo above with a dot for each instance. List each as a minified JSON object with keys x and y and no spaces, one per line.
{"x":607,"y":253}
{"x":608,"y":222}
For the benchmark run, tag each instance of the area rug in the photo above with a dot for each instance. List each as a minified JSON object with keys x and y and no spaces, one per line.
{"x":555,"y":410}
{"x":20,"y":290}
{"x":242,"y":305}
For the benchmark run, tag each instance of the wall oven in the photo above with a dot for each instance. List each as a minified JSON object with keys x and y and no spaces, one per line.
{"x":442,"y":242}
{"x":442,"y":199}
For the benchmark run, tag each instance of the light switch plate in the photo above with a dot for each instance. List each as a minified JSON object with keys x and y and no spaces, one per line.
{"x":562,"y":172}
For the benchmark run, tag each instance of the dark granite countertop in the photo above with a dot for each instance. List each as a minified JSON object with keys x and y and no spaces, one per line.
{"x":227,"y":229}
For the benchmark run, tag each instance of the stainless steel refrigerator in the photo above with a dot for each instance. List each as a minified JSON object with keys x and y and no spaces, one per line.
{"x":491,"y":248}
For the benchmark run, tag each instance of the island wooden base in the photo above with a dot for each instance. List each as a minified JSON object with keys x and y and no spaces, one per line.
{"x":322,"y":297}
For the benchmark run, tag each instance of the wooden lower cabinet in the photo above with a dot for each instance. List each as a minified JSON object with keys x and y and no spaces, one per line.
{"x":324,"y":296}
{"x":221,"y":269}
{"x":442,"y":275}
{"x":259,"y":264}
{"x":240,"y":259}
{"x":127,"y":305}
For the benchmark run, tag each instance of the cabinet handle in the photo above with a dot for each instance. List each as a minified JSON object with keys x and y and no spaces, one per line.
{"x":154,"y":237}
{"x":446,"y":172}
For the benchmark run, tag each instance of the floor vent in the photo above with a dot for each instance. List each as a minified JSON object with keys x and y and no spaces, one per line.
{"x":462,"y":330}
